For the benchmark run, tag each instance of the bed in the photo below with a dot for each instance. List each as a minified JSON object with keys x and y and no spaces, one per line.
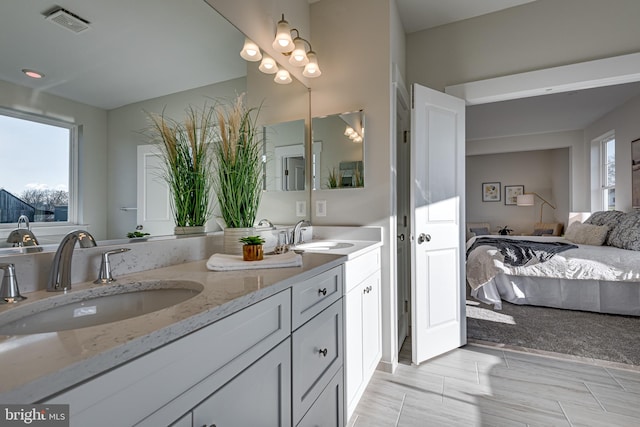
{"x":592,"y":277}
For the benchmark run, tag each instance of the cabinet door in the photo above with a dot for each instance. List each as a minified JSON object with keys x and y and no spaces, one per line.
{"x":327,"y":409}
{"x":371,"y":336}
{"x":353,"y":342}
{"x":258,"y":396}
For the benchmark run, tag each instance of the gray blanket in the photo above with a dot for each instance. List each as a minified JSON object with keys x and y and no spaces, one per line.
{"x":519,"y":252}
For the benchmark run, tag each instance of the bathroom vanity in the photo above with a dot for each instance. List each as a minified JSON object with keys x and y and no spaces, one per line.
{"x":269,"y":347}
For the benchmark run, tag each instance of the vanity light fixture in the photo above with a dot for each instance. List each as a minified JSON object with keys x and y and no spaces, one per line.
{"x":268,"y":65}
{"x":293,"y":48}
{"x":250,"y":51}
{"x":352,"y":134}
{"x":283,"y":77}
{"x":33,"y":73}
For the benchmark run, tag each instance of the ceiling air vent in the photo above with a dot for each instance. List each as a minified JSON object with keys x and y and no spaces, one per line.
{"x":68,"y":20}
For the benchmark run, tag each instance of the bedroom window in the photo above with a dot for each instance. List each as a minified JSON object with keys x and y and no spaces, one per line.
{"x":36,"y":176}
{"x":608,"y":171}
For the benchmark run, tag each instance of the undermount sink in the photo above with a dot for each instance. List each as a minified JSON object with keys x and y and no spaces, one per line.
{"x":323,"y":245}
{"x":96,"y":306}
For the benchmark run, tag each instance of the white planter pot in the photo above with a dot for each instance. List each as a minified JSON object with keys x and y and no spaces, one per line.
{"x":232,"y":236}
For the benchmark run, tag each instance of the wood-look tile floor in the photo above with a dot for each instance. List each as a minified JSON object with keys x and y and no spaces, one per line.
{"x":482,"y":386}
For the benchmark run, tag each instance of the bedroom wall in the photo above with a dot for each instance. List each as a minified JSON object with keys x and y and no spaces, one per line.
{"x":624,"y":121}
{"x":541,"y":171}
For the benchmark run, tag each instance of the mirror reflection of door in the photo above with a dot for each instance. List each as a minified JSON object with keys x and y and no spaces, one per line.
{"x":293,"y":176}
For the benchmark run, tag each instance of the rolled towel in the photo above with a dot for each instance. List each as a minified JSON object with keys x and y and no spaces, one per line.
{"x":224,"y":262}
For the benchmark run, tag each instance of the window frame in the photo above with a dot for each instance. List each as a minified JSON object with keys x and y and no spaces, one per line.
{"x":603,"y":166}
{"x":74,"y":136}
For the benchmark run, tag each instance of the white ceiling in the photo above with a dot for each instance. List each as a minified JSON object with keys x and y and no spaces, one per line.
{"x":135,"y":50}
{"x":419,"y":15}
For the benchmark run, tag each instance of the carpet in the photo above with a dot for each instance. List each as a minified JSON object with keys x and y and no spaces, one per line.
{"x":614,"y":338}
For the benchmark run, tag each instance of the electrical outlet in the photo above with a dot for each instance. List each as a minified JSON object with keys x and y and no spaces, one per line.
{"x":321,"y":208}
{"x":301,"y":208}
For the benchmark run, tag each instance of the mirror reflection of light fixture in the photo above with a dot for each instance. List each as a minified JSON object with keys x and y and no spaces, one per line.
{"x":250,"y":51}
{"x":312,"y":69}
{"x":268,"y":65}
{"x":282,"y":77}
{"x":352,"y":134}
{"x":528,"y":199}
{"x":299,"y":55}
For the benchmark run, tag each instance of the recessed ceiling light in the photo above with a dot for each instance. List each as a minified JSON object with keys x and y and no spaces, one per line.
{"x":32,"y":73}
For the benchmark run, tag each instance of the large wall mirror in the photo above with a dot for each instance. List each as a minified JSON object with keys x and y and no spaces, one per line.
{"x":338,"y":151}
{"x":154,"y":57}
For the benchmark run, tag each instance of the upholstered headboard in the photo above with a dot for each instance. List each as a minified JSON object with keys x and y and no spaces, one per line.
{"x":555,"y":227}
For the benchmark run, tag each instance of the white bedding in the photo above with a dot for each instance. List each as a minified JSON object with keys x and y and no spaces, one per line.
{"x":601,"y":263}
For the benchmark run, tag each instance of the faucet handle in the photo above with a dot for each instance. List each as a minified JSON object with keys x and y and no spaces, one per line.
{"x":9,"y":292}
{"x":105,"y":276}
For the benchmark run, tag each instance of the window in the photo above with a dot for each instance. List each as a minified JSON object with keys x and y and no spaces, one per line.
{"x":35,"y":177}
{"x":608,"y":172}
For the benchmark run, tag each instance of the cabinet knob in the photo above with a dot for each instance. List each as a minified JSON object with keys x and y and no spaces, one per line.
{"x":322,"y":291}
{"x":323,"y":352}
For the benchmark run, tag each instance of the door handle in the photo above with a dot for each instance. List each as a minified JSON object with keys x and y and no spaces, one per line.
{"x":424,"y":238}
{"x":401,"y":237}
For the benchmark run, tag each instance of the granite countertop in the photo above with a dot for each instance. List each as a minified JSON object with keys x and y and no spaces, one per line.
{"x":37,"y":366}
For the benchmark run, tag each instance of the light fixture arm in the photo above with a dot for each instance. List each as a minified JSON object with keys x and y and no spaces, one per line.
{"x":543,"y":203}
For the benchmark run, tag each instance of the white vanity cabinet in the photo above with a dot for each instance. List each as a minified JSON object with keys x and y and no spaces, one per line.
{"x":363,"y":345}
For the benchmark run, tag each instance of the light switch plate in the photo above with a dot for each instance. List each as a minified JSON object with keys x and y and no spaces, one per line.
{"x":321,"y":208}
{"x":301,"y":208}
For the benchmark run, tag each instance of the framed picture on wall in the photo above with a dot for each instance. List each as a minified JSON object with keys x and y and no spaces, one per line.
{"x":635,"y":173}
{"x":511,"y":193}
{"x":491,"y":192}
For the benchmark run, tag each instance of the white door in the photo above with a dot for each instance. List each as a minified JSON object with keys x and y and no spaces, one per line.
{"x":438,"y":321}
{"x":154,"y":198}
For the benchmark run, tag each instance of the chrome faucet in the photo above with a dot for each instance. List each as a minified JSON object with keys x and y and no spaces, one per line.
{"x":23,"y":219}
{"x":60,"y":276}
{"x":23,"y":238}
{"x":266,"y":223}
{"x":296,"y":234}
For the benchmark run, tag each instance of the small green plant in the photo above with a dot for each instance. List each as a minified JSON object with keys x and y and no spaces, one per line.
{"x":252,"y":240}
{"x":135,"y":234}
{"x":334,"y":178}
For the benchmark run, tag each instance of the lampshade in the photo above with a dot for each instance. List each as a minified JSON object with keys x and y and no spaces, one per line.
{"x":282,"y":77}
{"x":268,"y":65}
{"x":283,"y":42}
{"x":250,"y":51}
{"x":525,"y":200}
{"x":299,"y":55}
{"x":312,"y":69}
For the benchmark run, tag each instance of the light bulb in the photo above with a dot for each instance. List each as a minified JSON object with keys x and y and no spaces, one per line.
{"x":299,"y":55}
{"x":282,"y":77}
{"x":250,"y":51}
{"x":312,"y":69}
{"x":268,"y":65}
{"x":349,"y":131}
{"x":282,"y":42}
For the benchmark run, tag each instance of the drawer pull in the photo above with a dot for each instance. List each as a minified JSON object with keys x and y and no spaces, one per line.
{"x":368,"y":289}
{"x":322,"y":291}
{"x":323,"y":352}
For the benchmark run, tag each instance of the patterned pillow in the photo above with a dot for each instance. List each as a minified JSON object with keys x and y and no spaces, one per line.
{"x":610,"y":218}
{"x":626,"y":235}
{"x":586,"y":234}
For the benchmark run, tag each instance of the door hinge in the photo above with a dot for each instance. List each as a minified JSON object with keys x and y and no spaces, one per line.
{"x":404,"y":221}
{"x":405,"y":136}
{"x":286,"y":172}
{"x":406,"y":306}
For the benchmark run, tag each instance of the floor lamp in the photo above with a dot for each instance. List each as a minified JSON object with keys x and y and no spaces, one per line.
{"x":528,"y":199}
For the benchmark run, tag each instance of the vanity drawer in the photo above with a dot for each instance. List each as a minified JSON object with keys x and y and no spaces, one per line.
{"x":317,"y":354}
{"x":313,"y":295}
{"x":327,"y":410}
{"x":358,"y":269}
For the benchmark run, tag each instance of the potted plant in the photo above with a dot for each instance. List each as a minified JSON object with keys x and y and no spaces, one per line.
{"x":187,"y":165}
{"x":237,"y":180}
{"x":252,"y":248}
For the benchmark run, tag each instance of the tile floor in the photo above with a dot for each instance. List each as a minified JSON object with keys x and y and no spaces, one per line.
{"x":483,"y":386}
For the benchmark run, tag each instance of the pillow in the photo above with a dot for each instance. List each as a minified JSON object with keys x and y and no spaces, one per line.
{"x":609,"y":218}
{"x":626,"y":235}
{"x":587,"y":234}
{"x":483,"y":231}
{"x":540,"y":232}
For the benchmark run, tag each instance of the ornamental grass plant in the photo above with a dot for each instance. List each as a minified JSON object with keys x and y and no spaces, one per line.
{"x":237,"y":180}
{"x":187,"y":162}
